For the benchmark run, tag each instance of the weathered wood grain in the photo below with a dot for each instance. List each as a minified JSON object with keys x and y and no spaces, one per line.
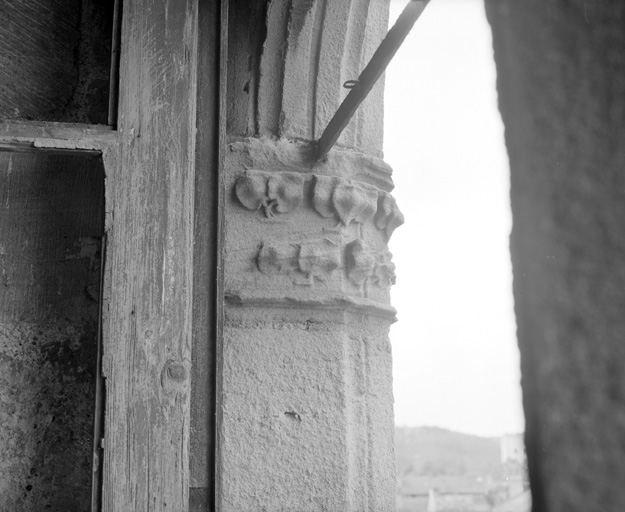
{"x":148,"y":314}
{"x":220,"y":285}
{"x":55,"y":138}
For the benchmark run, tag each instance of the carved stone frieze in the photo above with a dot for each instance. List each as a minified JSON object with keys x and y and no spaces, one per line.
{"x":364,"y":264}
{"x":278,"y":258}
{"x":279,"y":192}
{"x":314,"y":259}
{"x":355,"y":201}
{"x":388,"y":216}
{"x":348,"y":201}
{"x":318,"y":259}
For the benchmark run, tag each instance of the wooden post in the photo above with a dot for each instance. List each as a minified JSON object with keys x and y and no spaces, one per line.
{"x":148,"y":303}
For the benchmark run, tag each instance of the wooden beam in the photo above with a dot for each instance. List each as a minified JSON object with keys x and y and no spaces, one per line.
{"x":221,"y":255}
{"x":147,"y":325}
{"x":114,"y":78}
{"x":57,"y":138}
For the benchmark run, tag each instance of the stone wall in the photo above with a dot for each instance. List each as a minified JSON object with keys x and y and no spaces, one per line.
{"x":561,"y":81}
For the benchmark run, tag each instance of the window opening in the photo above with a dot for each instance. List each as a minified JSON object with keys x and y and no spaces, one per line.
{"x":60,"y":71}
{"x":456,"y":363}
{"x":51,"y":229}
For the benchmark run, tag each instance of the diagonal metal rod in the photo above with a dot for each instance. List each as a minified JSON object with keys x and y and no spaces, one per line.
{"x":369,"y":76}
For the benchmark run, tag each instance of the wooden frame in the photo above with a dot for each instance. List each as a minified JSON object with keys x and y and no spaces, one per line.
{"x":58,"y":138}
{"x":147,"y":303}
{"x":157,"y":244}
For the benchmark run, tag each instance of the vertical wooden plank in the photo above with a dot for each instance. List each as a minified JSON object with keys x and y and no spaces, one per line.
{"x":219,"y":306}
{"x":150,"y":200}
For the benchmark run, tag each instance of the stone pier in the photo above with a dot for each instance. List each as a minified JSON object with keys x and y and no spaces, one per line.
{"x":305,"y":406}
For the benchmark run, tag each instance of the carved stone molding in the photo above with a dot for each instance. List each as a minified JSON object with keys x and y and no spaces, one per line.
{"x":355,"y":201}
{"x":369,"y":265}
{"x":349,"y":201}
{"x":280,"y":192}
{"x":330,"y":302}
{"x":319,"y":258}
{"x":314,"y":259}
{"x":287,"y":156}
{"x":388,"y":216}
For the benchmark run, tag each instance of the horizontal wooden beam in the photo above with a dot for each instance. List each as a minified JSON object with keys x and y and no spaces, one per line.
{"x":56,"y":138}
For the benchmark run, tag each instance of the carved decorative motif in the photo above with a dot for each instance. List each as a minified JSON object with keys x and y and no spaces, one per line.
{"x":372,"y":265}
{"x":388,"y":217}
{"x":322,"y":198}
{"x":319,"y":258}
{"x":316,"y":259}
{"x":349,"y":201}
{"x":279,"y":192}
{"x":278,"y":258}
{"x":354,"y":201}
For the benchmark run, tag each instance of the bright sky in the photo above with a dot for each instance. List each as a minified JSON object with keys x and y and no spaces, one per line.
{"x":456,"y":362}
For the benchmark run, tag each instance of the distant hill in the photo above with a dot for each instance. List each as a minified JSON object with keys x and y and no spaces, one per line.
{"x":436,"y":452}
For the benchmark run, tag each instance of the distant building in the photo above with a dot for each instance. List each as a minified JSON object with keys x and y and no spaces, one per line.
{"x":512,"y":448}
{"x":457,"y":502}
{"x":515,"y":495}
{"x":519,"y":503}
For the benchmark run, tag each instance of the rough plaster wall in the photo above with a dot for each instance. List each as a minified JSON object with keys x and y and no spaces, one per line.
{"x":292,"y":59}
{"x":561,"y":81}
{"x":55,"y":60}
{"x":306,"y":404}
{"x":50,"y":228}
